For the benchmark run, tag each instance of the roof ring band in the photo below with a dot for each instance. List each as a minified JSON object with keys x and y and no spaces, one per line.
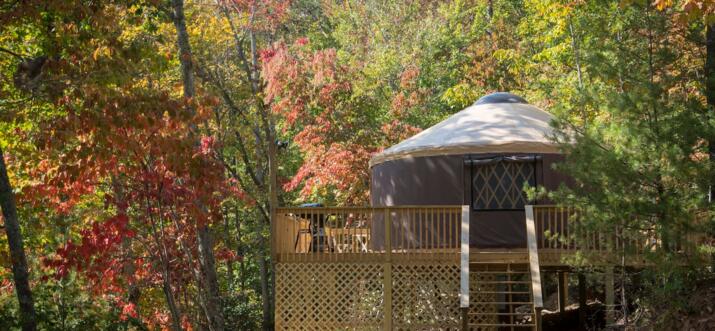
{"x":500,"y":97}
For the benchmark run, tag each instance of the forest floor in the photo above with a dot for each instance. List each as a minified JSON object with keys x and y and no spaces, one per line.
{"x":702,"y":316}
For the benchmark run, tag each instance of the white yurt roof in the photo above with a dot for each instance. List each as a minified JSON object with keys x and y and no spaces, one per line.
{"x":496,"y":123}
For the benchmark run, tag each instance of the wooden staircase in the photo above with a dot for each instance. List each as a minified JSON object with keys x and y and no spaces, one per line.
{"x":501,"y":297}
{"x":506,"y":296}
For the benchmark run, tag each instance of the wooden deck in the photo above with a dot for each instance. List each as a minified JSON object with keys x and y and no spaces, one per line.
{"x":401,"y":267}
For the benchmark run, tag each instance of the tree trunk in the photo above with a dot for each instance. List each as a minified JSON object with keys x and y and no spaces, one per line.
{"x":185,"y":55}
{"x":227,"y":240}
{"x":710,"y":97}
{"x":710,"y":90}
{"x":264,"y":134}
{"x":208,"y":264}
{"x":128,"y":269}
{"x":265,"y":280}
{"x":205,"y":242}
{"x":269,"y":132}
{"x":17,"y":251}
{"x":170,"y":300}
{"x":240,"y":252}
{"x":273,"y":204}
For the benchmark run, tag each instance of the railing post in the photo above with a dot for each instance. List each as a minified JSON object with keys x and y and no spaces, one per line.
{"x":534,"y":264}
{"x":464,"y":268}
{"x":610,"y":297}
{"x":387,"y":272}
{"x":563,"y":288}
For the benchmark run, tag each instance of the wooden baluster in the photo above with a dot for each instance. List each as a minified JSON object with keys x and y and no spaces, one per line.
{"x":453,"y":230}
{"x":425,"y":231}
{"x":553,"y":227}
{"x":396,"y":229}
{"x":439,"y":225}
{"x":440,"y":220}
{"x":540,"y":226}
{"x":557,"y":228}
{"x":456,"y":226}
{"x":411,"y":234}
{"x":400,"y":229}
{"x":565,"y":230}
{"x":562,"y":236}
{"x":435,"y":222}
{"x":433,"y":228}
{"x":437,"y":216}
{"x":420,"y":242}
{"x":443,"y":223}
{"x":447,"y":241}
{"x":435,"y":225}
{"x":424,"y":243}
{"x":564,"y":225}
{"x":416,"y":234}
{"x":294,"y":233}
{"x":552,"y":231}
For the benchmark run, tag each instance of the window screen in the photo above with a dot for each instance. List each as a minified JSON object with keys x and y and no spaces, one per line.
{"x":497,"y":184}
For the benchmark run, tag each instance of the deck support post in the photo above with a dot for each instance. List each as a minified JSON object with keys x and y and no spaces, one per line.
{"x":464,"y":268}
{"x":537,"y":318}
{"x":610,"y":297}
{"x":582,"y":301}
{"x":387,"y":272}
{"x":563,"y":290}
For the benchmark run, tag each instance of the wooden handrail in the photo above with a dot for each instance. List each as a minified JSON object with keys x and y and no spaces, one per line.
{"x":534,"y":268}
{"x":533,"y":257}
{"x":464,"y":267}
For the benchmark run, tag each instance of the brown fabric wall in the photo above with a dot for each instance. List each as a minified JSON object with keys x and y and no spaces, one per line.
{"x":445,"y":180}
{"x":497,"y":229}
{"x":434,"y":180}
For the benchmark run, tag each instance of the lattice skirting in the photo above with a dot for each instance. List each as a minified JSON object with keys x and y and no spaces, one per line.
{"x":329,"y":296}
{"x":351,"y":296}
{"x":425,"y":296}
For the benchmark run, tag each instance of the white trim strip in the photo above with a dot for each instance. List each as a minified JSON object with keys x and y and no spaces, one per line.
{"x":533,"y":257}
{"x":464,"y":259}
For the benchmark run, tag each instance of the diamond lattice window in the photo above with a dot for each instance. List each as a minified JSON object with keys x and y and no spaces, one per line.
{"x":500,"y":185}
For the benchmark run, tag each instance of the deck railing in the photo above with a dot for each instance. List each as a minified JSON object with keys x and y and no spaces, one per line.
{"x":556,"y":231}
{"x":360,"y":232}
{"x":371,"y":233}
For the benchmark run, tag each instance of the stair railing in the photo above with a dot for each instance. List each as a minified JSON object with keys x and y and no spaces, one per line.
{"x":532,"y":247}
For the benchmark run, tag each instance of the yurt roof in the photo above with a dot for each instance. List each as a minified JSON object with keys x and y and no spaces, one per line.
{"x":496,"y":123}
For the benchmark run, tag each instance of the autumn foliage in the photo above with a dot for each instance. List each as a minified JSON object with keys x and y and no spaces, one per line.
{"x":115,"y":172}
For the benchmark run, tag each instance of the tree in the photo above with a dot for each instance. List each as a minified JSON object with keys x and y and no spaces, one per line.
{"x":17,"y":250}
{"x":635,"y":139}
{"x":207,"y":259}
{"x":144,"y":153}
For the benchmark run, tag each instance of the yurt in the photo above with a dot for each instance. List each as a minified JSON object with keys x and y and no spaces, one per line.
{"x":481,"y":156}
